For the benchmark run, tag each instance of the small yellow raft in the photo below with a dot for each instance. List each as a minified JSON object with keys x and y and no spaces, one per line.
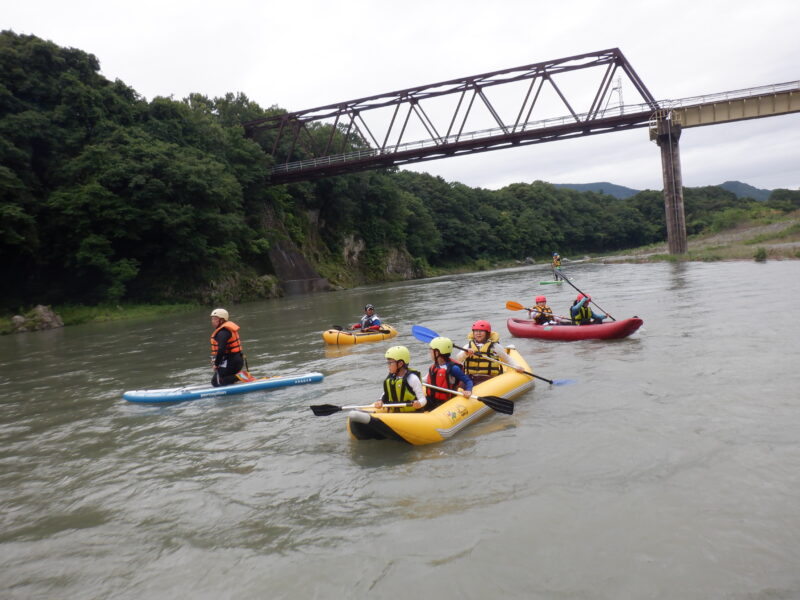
{"x":345,"y":338}
{"x":444,"y":421}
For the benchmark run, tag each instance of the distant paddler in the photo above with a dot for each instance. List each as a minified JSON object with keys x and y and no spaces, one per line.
{"x":557,"y":266}
{"x":370,"y":321}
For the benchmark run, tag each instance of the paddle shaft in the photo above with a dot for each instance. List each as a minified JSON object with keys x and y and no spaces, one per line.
{"x":325,"y":410}
{"x":592,"y":301}
{"x":501,"y":405}
{"x":392,"y":405}
{"x":517,"y":306}
{"x":448,"y":391}
{"x":487,"y":357}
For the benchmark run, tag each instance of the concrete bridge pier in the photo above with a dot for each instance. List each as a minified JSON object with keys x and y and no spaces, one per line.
{"x":666,"y":134}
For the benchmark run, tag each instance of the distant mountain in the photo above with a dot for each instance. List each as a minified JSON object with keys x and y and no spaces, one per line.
{"x":744,"y":190}
{"x":602,"y":187}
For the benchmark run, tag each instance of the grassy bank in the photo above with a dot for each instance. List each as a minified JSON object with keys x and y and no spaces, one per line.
{"x":77,"y":314}
{"x":778,"y":239}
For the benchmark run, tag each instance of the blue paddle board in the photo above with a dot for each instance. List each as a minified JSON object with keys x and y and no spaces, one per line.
{"x":207,"y":391}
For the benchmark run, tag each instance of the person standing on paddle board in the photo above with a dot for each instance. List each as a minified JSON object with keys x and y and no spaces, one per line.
{"x":402,"y":384}
{"x":557,"y":266}
{"x":541,"y":313}
{"x":582,"y":313}
{"x":370,"y":321}
{"x":445,"y":373}
{"x":484,"y":344}
{"x":226,"y":349}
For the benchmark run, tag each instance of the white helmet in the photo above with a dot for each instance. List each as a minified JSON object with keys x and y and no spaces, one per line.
{"x":220,"y":312}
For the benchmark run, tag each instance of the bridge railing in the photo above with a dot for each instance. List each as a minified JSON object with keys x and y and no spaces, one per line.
{"x":763,"y":90}
{"x":613,"y":111}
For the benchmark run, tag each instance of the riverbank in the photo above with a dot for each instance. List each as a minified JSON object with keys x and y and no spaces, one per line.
{"x":77,"y":315}
{"x":777,"y":240}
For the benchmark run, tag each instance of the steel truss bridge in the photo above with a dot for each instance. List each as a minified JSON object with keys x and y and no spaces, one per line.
{"x":440,"y":120}
{"x":380,"y":126}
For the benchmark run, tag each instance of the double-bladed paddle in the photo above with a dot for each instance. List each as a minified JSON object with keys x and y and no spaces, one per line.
{"x":323,"y":410}
{"x":501,"y":405}
{"x":359,"y":330}
{"x":590,"y":300}
{"x":511,"y":305}
{"x":423,"y":334}
{"x":496,"y":403}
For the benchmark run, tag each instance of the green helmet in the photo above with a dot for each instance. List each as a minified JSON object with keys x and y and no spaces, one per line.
{"x":399,"y":353}
{"x":442,"y":344}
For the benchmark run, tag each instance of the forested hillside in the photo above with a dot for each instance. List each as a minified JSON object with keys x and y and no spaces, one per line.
{"x":106,"y":197}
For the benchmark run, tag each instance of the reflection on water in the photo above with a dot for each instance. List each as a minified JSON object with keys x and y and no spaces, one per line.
{"x":678,"y":444}
{"x":678,"y":273}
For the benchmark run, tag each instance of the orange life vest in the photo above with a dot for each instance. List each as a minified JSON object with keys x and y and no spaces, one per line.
{"x":234,"y":343}
{"x":441,"y":376}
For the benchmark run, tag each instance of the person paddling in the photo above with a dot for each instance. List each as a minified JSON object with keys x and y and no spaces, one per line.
{"x":226,"y":349}
{"x":482,"y":342}
{"x":369,"y":321}
{"x":582,"y":313}
{"x":541,"y":313}
{"x":557,"y":266}
{"x":402,"y":384}
{"x":445,"y":373}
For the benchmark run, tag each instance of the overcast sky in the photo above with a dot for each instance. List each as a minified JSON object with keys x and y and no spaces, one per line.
{"x":305,"y":54}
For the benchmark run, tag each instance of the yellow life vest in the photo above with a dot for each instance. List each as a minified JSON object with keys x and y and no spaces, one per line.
{"x":584,"y":314}
{"x":542,"y":314}
{"x":396,"y":390}
{"x":479,"y":365}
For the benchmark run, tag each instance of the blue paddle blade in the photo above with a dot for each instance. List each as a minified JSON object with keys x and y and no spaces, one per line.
{"x":564,"y":381}
{"x":423,"y":334}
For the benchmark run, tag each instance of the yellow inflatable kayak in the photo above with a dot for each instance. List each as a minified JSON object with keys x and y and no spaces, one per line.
{"x":443,"y":422}
{"x":354,"y":336}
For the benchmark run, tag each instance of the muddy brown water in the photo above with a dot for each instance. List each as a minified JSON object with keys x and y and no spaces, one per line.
{"x":671,"y":469}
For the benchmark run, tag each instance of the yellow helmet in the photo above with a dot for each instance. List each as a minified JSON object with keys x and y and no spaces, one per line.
{"x":220,"y":312}
{"x":442,"y":344}
{"x":399,"y":353}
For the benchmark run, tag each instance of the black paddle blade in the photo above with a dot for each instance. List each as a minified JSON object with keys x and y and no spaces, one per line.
{"x":337,"y":327}
{"x":323,"y":410}
{"x":498,"y":404}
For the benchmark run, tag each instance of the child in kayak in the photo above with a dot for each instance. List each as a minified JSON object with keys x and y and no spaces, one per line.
{"x":402,"y":384}
{"x":541,"y":313}
{"x":445,"y":373}
{"x":582,"y":313}
{"x":483,"y":344}
{"x":370,"y":321}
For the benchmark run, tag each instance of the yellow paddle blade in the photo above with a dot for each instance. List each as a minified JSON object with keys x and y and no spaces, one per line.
{"x":511,"y":305}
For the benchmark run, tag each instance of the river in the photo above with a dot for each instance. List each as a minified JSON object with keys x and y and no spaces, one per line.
{"x":670,"y":469}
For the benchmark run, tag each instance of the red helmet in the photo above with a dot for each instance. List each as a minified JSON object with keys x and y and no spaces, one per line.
{"x":581,"y":297}
{"x":540,"y":299}
{"x":482,"y":326}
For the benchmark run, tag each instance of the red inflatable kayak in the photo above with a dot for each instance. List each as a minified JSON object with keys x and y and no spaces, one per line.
{"x":568,"y":333}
